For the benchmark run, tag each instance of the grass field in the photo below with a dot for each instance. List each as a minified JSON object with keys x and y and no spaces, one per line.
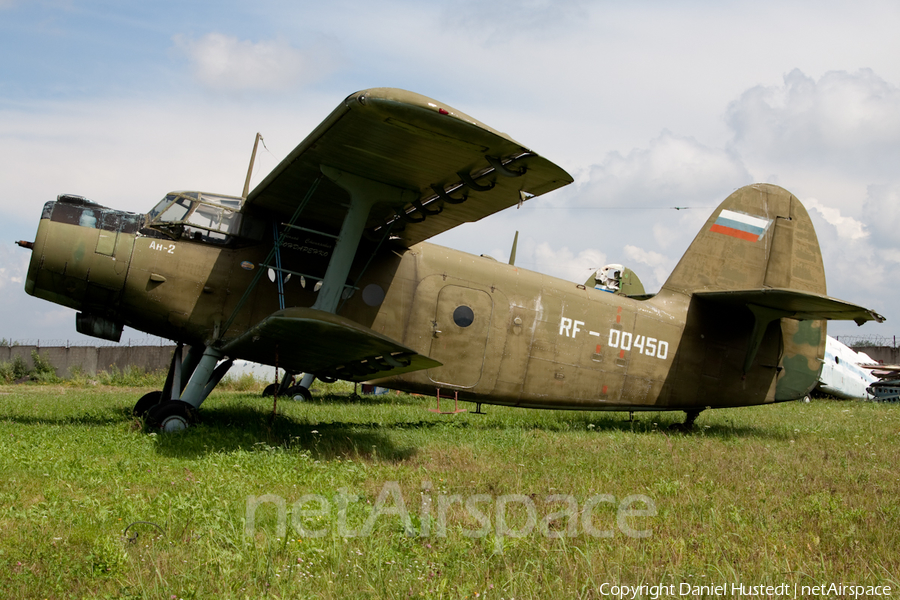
{"x":382,"y":498}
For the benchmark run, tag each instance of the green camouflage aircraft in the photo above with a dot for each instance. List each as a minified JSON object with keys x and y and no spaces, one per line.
{"x":323,"y":269}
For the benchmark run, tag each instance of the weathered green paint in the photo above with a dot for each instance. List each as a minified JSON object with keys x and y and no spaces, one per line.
{"x":798,"y":379}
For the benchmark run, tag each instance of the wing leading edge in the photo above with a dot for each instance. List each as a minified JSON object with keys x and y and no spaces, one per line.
{"x":460,"y":169}
{"x":314,"y":341}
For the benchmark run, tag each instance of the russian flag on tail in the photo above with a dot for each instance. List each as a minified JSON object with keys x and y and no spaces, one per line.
{"x":741,"y":225}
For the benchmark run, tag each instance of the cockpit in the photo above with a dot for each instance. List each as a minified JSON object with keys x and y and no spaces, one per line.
{"x":199,"y":216}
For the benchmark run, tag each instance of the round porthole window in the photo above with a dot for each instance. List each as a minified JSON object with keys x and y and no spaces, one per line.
{"x":373,"y":294}
{"x":463,"y":316}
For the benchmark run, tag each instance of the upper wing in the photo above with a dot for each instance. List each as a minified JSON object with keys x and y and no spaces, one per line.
{"x":795,"y":304}
{"x":314,"y":341}
{"x":408,"y":141}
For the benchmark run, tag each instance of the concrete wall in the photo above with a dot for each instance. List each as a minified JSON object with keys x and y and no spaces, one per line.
{"x":883,"y":354}
{"x":91,"y":359}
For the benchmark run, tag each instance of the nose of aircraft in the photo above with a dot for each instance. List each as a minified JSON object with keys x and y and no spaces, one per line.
{"x":80,"y":258}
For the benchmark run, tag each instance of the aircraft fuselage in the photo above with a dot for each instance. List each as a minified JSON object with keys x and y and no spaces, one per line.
{"x":505,"y":335}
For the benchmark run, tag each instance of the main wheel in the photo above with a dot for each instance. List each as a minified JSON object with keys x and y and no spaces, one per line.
{"x":299,"y":393}
{"x":270,"y":390}
{"x":146,"y":402}
{"x":172,"y":416}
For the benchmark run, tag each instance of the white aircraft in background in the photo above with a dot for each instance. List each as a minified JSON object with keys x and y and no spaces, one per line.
{"x":841,"y":374}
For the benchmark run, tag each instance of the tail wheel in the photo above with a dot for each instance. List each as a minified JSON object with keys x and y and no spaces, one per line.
{"x":172,"y":416}
{"x":146,"y":402}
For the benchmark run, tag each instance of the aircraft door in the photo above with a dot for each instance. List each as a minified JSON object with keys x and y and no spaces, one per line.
{"x":462,"y":322}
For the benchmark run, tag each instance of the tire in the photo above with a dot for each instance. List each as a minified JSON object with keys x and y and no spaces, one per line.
{"x":171,"y":416}
{"x":299,"y":393}
{"x":270,"y":390}
{"x":146,"y":402}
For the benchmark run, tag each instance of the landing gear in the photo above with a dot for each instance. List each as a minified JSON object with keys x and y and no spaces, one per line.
{"x":281,"y":388}
{"x":301,"y":391}
{"x":188,"y":384}
{"x":172,"y":416}
{"x":298,"y":392}
{"x":688,"y":425}
{"x":146,"y":402}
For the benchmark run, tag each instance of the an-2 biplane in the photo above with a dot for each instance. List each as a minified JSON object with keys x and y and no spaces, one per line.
{"x":359,"y":295}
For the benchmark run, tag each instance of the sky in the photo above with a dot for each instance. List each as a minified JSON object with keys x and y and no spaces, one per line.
{"x":649,"y":105}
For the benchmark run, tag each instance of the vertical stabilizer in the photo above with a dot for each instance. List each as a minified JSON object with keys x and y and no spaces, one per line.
{"x":759,"y":237}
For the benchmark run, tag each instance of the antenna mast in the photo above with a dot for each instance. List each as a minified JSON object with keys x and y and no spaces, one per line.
{"x":250,"y":170}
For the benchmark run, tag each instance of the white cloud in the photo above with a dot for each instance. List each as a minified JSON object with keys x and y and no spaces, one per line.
{"x":848,"y":228}
{"x":500,"y":20}
{"x":225,"y":63}
{"x":882,"y":209}
{"x":890,"y":254}
{"x":661,"y":265}
{"x":673,"y":171}
{"x":13,"y":266}
{"x":565,"y":264}
{"x":847,"y":121}
{"x":127,"y":155}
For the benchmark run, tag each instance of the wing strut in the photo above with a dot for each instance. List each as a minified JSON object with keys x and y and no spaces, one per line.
{"x":364,"y":194}
{"x":374,"y":253}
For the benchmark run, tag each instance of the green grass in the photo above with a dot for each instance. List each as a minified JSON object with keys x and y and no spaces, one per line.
{"x":795,"y":493}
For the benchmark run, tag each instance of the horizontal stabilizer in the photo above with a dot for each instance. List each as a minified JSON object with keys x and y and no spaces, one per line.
{"x":794,"y":304}
{"x":313,"y":341}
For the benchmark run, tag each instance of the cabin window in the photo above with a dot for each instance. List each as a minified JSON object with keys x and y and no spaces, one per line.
{"x":463,"y":316}
{"x":373,"y":294}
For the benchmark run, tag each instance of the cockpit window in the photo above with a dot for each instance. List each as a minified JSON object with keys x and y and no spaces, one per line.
{"x":176,"y":211}
{"x":226,"y":201}
{"x":197,"y":216}
{"x":163,"y":204}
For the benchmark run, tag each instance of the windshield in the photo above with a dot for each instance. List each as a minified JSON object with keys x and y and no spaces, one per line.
{"x":176,"y":211}
{"x":165,"y":202}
